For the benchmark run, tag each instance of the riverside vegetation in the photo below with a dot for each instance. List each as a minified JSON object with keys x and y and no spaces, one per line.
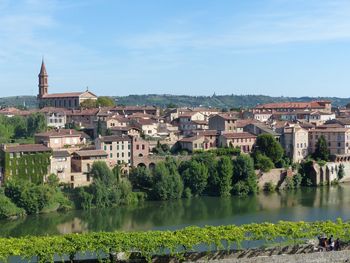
{"x":223,"y":172}
{"x":176,"y":243}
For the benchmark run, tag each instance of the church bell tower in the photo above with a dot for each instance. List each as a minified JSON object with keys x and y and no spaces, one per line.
{"x":43,"y":80}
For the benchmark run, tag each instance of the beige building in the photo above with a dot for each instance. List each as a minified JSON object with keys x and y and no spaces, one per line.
{"x":82,"y":162}
{"x":60,"y":165}
{"x":118,"y":148}
{"x":295,"y":141}
{"x":223,"y":122}
{"x":243,"y":140}
{"x":337,"y":139}
{"x":201,"y":140}
{"x":58,"y":139}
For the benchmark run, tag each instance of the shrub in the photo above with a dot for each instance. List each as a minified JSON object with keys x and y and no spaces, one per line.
{"x":9,"y":209}
{"x":269,"y":187}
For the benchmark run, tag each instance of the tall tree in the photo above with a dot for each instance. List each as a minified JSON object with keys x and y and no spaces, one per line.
{"x":321,"y":151}
{"x":266,"y":144}
{"x":244,"y":174}
{"x":195,"y":176}
{"x":225,"y":171}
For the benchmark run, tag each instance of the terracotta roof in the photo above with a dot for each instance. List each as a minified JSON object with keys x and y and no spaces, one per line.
{"x":206,"y":132}
{"x":92,"y":112}
{"x":88,"y":153}
{"x":26,"y":148}
{"x":62,"y":95}
{"x":187,"y":114}
{"x":330,"y":130}
{"x":238,"y":135}
{"x":124,"y":128}
{"x":59,"y":133}
{"x":114,"y":138}
{"x":191,"y":139}
{"x":60,"y":154}
{"x":226,"y":116}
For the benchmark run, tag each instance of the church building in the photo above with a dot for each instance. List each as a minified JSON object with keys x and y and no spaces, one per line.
{"x":70,"y":100}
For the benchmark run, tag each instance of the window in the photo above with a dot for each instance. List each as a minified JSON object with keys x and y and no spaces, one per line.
{"x":122,"y":155}
{"x":72,"y":178}
{"x":105,"y":147}
{"x":137,"y":147}
{"x":117,"y":155}
{"x":110,"y":147}
{"x":111,"y":155}
{"x":143,"y":146}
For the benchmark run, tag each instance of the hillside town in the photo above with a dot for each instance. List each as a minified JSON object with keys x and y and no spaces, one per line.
{"x":141,"y":136}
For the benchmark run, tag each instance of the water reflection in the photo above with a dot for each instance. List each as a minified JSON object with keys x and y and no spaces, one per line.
{"x":305,"y":204}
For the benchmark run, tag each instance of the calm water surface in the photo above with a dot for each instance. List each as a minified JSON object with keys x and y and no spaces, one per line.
{"x":308,"y":204}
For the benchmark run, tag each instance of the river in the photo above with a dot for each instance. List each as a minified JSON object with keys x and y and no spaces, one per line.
{"x":308,"y":204}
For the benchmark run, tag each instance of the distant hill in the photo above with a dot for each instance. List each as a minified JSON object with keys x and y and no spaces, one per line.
{"x":222,"y":101}
{"x":28,"y":101}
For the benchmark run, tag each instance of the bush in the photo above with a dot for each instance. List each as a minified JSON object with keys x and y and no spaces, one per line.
{"x":9,"y":209}
{"x":241,"y":188}
{"x":269,"y":187}
{"x":187,"y":193}
{"x":263,"y":163}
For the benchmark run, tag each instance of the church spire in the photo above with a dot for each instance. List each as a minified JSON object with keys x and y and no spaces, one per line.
{"x":43,"y":80}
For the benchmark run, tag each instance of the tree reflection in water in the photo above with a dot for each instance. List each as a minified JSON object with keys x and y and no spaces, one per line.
{"x":303,"y":204}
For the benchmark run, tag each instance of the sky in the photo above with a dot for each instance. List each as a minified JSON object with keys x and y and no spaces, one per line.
{"x":180,"y":47}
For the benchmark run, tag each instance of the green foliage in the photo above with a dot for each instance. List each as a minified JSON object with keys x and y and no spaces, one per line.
{"x":176,"y":242}
{"x":187,"y":193}
{"x":13,"y":129}
{"x":161,"y":149}
{"x":107,"y":189}
{"x":267,"y":145}
{"x":225,"y":172}
{"x":321,"y":152}
{"x":225,"y":151}
{"x":263,"y":163}
{"x":8,"y":209}
{"x":244,"y":173}
{"x":105,"y":102}
{"x":195,"y":176}
{"x":269,"y":187}
{"x":100,"y":102}
{"x":35,"y":198}
{"x":341,"y":172}
{"x":32,"y":167}
{"x":167,"y":181}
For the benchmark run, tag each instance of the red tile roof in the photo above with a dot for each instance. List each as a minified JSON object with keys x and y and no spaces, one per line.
{"x":238,"y":135}
{"x":26,"y":148}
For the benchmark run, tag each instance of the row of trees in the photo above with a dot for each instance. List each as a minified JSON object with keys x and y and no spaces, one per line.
{"x":100,"y":102}
{"x":19,"y":128}
{"x":204,"y":174}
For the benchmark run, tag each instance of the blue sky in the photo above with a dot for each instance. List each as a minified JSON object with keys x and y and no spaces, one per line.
{"x":191,"y":47}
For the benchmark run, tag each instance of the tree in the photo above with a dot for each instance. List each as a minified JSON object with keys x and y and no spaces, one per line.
{"x":167,"y":182}
{"x":141,"y":178}
{"x":88,"y":104}
{"x":210,"y":161}
{"x":321,"y":151}
{"x":105,"y":102}
{"x":267,"y":145}
{"x":195,"y":177}
{"x":35,"y":123}
{"x":263,"y":163}
{"x":244,"y":173}
{"x":225,"y":172}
